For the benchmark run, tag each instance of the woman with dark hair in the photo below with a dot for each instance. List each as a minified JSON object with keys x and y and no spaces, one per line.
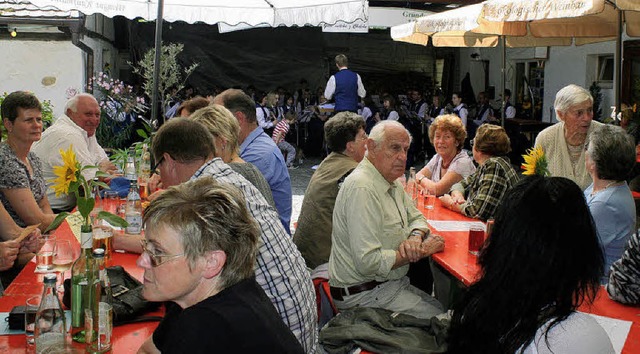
{"x":479,"y":194}
{"x":610,"y":155}
{"x":390,"y":109}
{"x":541,"y":262}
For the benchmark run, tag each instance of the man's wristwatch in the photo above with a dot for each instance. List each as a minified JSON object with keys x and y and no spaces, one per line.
{"x":422,"y":235}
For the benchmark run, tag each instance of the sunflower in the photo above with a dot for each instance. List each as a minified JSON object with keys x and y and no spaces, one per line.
{"x":535,"y":163}
{"x":67,"y":173}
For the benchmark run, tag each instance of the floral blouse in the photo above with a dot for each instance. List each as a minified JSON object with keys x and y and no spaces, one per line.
{"x":15,"y":175}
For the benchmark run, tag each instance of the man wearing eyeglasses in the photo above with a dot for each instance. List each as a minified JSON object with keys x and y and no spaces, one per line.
{"x":184,"y":150}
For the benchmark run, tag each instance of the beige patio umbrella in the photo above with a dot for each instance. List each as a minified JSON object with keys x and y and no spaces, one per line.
{"x":587,"y":21}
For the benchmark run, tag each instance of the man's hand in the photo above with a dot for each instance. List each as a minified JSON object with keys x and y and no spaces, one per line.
{"x":154,"y":183}
{"x":8,"y":254}
{"x":432,"y":244}
{"x":411,"y":249}
{"x":107,"y":166}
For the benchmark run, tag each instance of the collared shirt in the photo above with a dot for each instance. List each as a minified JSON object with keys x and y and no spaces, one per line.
{"x":63,"y":133}
{"x":280,"y":269}
{"x":260,"y":150}
{"x":485,"y":188}
{"x":370,"y":219}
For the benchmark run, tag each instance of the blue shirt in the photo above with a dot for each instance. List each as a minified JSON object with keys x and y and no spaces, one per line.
{"x":614,"y":213}
{"x":260,"y":150}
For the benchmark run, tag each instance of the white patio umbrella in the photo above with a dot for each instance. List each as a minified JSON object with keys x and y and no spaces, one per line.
{"x":252,"y":12}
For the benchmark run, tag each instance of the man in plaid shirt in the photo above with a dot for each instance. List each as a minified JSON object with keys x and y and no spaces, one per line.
{"x":184,"y":150}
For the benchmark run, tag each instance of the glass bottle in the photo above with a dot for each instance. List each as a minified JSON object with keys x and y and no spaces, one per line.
{"x":130,"y":166}
{"x":81,"y":293}
{"x":99,"y":318}
{"x":98,"y":207}
{"x":133,"y":210}
{"x":50,"y":325}
{"x":411,"y":184}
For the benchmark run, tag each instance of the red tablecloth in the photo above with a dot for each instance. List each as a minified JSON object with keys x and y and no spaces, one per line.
{"x":457,"y":260}
{"x":126,"y":338}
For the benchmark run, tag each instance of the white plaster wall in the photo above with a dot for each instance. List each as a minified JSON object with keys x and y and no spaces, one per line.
{"x":25,"y":63}
{"x":565,"y":65}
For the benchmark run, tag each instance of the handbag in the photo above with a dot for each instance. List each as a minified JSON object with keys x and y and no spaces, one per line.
{"x":128,"y":303}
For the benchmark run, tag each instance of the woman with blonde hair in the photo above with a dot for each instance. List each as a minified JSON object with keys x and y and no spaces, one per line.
{"x":479,"y":195}
{"x":451,"y":163}
{"x":225,"y":130}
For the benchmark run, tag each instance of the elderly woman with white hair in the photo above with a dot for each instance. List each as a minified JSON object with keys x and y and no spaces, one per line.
{"x":563,"y":143}
{"x":609,"y":158}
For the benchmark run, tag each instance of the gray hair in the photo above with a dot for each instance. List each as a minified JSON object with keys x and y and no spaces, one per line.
{"x":378,"y":132}
{"x":72,"y":103}
{"x":613,"y":152}
{"x":570,"y":96}
{"x":209,"y":216}
{"x":341,"y":129}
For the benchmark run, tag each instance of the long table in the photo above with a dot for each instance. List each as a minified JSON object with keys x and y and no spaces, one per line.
{"x":125,"y":339}
{"x":457,"y":260}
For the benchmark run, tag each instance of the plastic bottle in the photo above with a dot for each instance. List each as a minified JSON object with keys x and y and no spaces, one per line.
{"x":133,"y":210}
{"x":81,"y":293}
{"x":50,"y":327}
{"x":99,"y":321}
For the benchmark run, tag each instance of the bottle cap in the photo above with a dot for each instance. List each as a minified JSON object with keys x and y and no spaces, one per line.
{"x":98,"y":253}
{"x":50,"y":278}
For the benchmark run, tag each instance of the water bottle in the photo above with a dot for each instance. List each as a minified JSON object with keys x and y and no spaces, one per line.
{"x":81,"y":293}
{"x":130,"y":166}
{"x":50,"y":327}
{"x":99,"y":317}
{"x":133,"y":210}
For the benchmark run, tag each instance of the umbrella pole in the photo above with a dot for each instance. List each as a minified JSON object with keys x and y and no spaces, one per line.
{"x":156,"y":66}
{"x":618,"y":62}
{"x":504,"y":79}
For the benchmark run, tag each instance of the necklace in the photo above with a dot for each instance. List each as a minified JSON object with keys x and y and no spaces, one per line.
{"x":594,"y":192}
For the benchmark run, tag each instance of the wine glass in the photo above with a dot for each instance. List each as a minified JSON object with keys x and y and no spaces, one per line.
{"x":63,"y":257}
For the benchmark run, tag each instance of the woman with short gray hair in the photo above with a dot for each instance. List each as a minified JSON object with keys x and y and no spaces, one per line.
{"x":610,"y":156}
{"x":563,"y":143}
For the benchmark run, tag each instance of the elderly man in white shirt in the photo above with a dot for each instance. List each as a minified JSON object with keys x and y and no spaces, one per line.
{"x":77,"y":128}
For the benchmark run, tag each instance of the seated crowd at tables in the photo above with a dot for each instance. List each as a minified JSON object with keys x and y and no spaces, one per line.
{"x":217,"y":246}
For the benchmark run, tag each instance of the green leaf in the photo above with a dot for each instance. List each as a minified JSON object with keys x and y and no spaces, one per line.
{"x":142,"y":133}
{"x":85,"y":205}
{"x":102,"y":174}
{"x":101,"y":184}
{"x":112,"y":219}
{"x":56,"y":222}
{"x":74,"y":187}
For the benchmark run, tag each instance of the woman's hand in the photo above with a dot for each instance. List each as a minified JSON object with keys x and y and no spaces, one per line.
{"x":31,"y":244}
{"x":8,"y":254}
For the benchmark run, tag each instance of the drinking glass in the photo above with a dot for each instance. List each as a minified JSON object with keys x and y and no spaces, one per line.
{"x":103,"y":238}
{"x":44,"y":256}
{"x":110,"y":201}
{"x":30,"y":310}
{"x":63,"y":257}
{"x":430,"y":198}
{"x":476,"y":239}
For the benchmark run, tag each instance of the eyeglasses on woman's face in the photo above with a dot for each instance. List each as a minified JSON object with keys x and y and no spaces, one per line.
{"x":156,"y":259}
